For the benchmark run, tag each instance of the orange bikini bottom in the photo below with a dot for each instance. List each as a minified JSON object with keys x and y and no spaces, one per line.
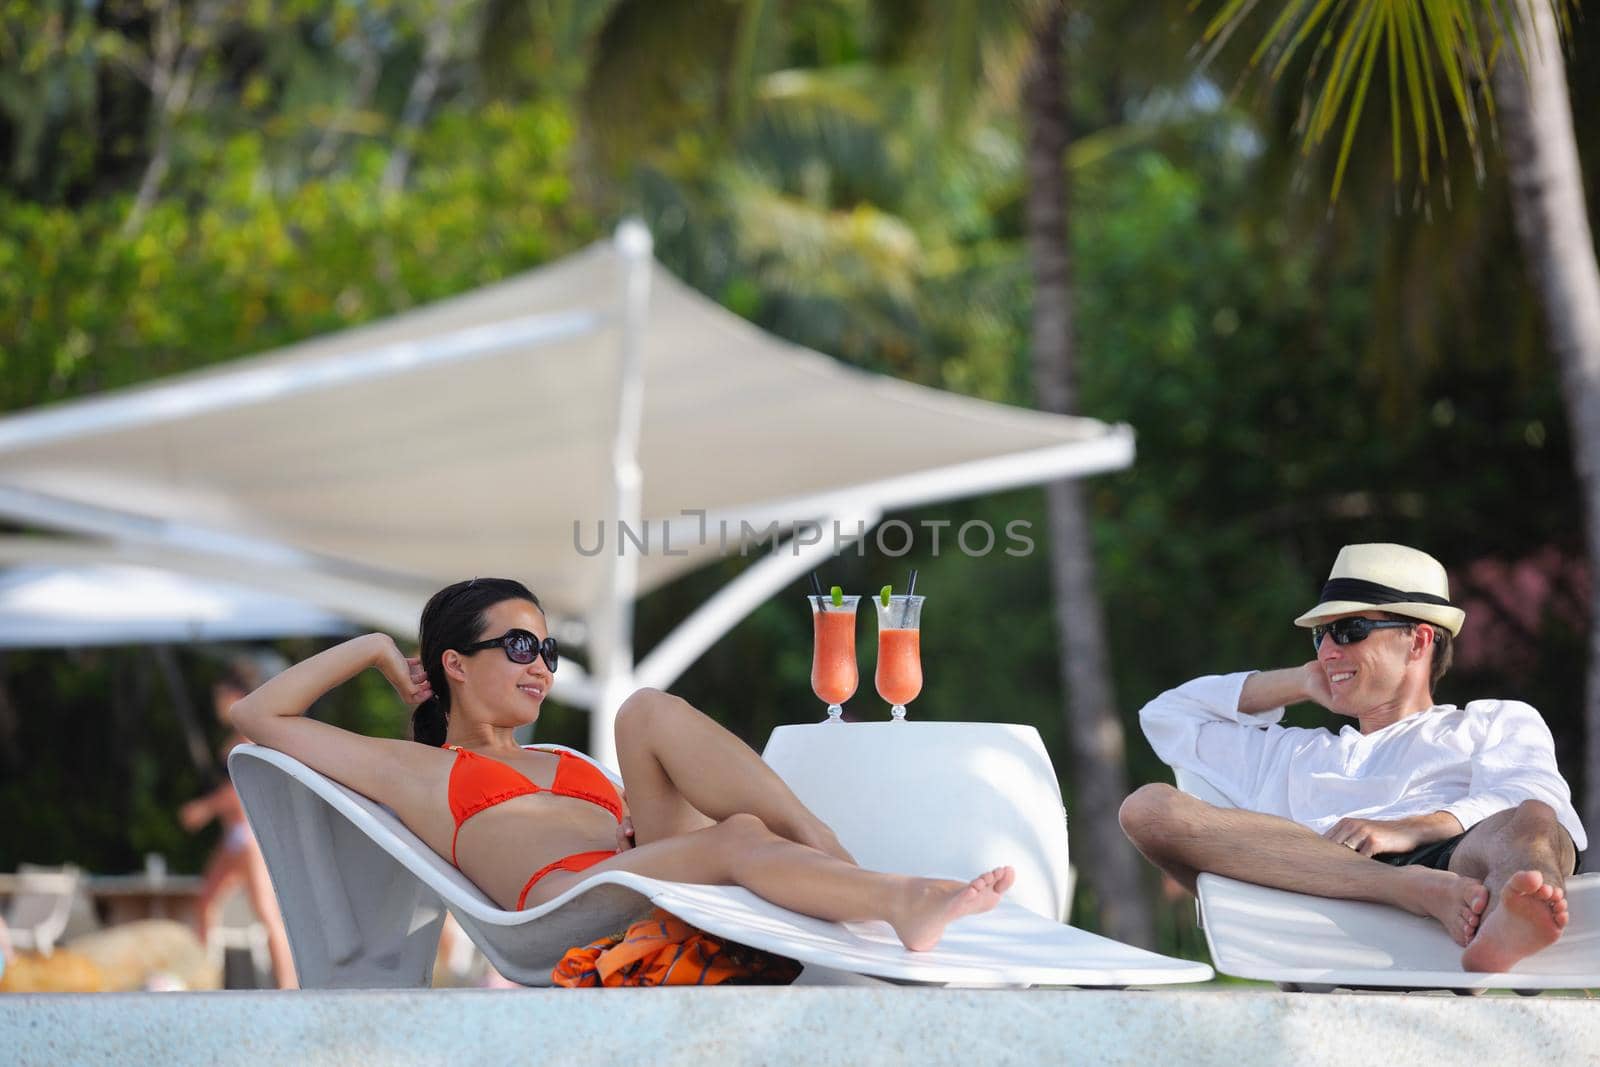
{"x":578,"y":861}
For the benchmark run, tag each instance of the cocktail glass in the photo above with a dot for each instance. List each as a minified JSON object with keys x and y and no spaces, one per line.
{"x":899,"y":676}
{"x":833,"y":655}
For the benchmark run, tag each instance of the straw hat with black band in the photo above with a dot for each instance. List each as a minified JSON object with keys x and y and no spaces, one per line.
{"x":1392,"y":578}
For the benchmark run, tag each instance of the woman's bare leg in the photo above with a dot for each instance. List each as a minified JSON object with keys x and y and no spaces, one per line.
{"x":683,"y":772}
{"x":221,"y":871}
{"x":740,"y":850}
{"x":258,"y":883}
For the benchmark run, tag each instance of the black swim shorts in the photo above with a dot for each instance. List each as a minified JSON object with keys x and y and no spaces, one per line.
{"x":1435,"y":854}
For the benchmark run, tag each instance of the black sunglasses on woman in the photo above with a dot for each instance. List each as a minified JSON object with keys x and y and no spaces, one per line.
{"x":520,"y":647}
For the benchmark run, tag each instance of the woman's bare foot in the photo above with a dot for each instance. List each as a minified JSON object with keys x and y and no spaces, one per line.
{"x":1528,"y":915}
{"x":1457,"y":902}
{"x":935,"y":903}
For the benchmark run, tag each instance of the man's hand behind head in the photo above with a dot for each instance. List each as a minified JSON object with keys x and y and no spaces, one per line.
{"x":1273,"y":689}
{"x":1316,"y":684}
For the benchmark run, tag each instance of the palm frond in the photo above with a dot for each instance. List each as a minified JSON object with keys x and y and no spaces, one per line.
{"x":981,"y":49}
{"x":1427,"y":45}
{"x":801,"y":246}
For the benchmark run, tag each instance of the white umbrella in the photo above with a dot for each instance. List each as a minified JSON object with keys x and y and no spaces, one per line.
{"x":503,"y":432}
{"x":114,"y":604}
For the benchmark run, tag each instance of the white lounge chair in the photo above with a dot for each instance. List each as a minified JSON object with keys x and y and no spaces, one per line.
{"x":878,"y":785}
{"x":41,"y":906}
{"x":363,"y":898}
{"x":1314,"y":944}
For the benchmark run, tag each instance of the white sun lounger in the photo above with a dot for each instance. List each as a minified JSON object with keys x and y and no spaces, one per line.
{"x":1316,"y":944}
{"x":881,"y":787}
{"x":363,"y":898}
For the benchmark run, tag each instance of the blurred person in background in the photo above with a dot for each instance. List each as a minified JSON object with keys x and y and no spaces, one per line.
{"x":237,"y":858}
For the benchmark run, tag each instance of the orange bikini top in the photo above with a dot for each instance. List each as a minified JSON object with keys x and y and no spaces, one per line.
{"x":480,"y":782}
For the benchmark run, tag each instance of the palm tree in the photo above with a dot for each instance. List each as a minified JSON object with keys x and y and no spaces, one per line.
{"x":1513,"y":51}
{"x":1094,"y":728}
{"x":1552,"y":222}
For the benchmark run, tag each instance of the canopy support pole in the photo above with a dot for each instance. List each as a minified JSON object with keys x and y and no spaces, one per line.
{"x":612,"y":626}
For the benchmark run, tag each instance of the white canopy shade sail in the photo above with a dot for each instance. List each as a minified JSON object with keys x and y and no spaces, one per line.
{"x":593,"y":427}
{"x":114,"y":604}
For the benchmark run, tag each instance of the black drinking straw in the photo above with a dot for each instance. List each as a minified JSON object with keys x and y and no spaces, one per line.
{"x":816,"y":587}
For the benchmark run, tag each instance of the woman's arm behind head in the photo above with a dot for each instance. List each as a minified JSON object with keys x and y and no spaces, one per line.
{"x":384,"y":769}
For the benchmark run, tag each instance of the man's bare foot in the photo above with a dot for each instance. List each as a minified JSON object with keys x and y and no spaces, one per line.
{"x":1457,"y":902}
{"x":935,"y":903}
{"x":1529,"y":914}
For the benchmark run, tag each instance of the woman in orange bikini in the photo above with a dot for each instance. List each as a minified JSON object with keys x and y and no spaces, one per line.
{"x":527,"y":824}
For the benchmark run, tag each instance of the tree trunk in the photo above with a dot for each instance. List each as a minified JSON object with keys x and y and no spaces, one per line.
{"x":1109,"y":864}
{"x":194,"y":735}
{"x":1553,"y":228}
{"x":369,"y":66}
{"x":175,"y":63}
{"x":435,"y":50}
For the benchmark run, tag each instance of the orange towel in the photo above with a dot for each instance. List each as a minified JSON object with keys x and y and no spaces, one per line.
{"x":662,"y":949}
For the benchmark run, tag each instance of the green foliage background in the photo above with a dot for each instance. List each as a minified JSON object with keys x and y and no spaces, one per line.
{"x":1297,"y":380}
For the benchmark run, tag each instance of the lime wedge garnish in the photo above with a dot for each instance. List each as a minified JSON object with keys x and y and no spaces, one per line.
{"x":883,"y":594}
{"x":838,"y":596}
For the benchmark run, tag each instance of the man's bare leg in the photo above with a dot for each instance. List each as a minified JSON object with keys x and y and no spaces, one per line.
{"x":1184,"y":836}
{"x":1523,"y":857}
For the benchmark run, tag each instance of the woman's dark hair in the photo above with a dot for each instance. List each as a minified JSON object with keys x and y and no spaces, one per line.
{"x":455,"y":616}
{"x":245,"y":672}
{"x":234,"y":677}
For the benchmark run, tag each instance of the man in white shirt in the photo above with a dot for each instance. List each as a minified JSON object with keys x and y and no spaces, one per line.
{"x":1457,"y":813}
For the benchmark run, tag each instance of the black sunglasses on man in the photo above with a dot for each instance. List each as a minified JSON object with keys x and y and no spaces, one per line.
{"x":1349,"y":631}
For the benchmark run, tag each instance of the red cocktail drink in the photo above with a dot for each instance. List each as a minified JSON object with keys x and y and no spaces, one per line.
{"x":899,"y":675}
{"x":833,"y":656}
